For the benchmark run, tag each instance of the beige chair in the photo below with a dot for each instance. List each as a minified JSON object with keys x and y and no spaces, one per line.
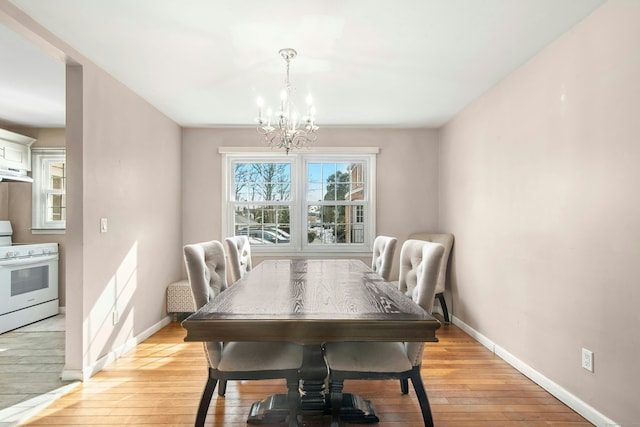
{"x":384,"y":248}
{"x":239,"y":252}
{"x":446,"y":240}
{"x":420,"y":262}
{"x":206,"y":270}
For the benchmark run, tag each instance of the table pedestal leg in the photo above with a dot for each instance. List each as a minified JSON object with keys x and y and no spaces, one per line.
{"x":314,"y":400}
{"x":313,"y":374}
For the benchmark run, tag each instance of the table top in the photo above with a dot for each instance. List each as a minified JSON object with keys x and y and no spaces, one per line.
{"x":311,"y":302}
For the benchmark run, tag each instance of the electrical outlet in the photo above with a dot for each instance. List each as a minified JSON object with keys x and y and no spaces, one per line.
{"x":587,"y":359}
{"x":104,"y":226}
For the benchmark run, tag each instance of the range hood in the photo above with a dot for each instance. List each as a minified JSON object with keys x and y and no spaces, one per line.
{"x":15,"y":156}
{"x":14,"y":175}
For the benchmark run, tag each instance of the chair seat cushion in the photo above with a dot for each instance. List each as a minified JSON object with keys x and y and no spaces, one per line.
{"x":367,"y":357}
{"x":260,"y":356}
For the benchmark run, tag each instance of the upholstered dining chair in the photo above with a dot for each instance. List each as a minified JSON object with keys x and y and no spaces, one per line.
{"x":206,"y":270}
{"x":420,"y":261}
{"x":446,"y":240}
{"x":384,"y":247}
{"x":239,"y":252}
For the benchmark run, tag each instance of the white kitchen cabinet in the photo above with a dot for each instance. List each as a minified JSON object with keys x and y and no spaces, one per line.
{"x":15,"y":151}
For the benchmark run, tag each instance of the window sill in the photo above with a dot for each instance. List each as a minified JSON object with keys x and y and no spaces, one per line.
{"x":48,"y":230}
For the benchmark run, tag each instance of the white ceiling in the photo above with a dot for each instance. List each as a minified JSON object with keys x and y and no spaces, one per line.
{"x":394,"y":63}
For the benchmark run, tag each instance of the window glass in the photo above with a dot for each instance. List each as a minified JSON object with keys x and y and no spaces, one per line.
{"x":259,"y":188}
{"x":331,"y":223}
{"x":302,"y":202}
{"x":49,"y":200}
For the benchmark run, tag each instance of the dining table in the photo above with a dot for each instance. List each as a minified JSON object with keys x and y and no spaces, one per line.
{"x":311,"y":302}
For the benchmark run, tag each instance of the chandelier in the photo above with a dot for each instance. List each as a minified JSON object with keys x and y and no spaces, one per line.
{"x":292,"y":130}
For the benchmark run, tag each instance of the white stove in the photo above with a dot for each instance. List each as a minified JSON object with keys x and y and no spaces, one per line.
{"x":28,"y":280}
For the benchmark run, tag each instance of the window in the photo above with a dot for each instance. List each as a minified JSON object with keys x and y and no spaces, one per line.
{"x":262,"y":201}
{"x":307,"y":201}
{"x":49,"y":189}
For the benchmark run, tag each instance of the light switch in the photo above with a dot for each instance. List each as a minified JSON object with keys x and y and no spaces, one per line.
{"x":103,"y":225}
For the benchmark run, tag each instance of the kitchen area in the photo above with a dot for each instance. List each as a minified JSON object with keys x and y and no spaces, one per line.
{"x":31,"y":279}
{"x":32,"y":180}
{"x":32,"y":297}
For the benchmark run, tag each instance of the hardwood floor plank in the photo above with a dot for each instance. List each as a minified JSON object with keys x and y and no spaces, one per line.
{"x":160,"y":383}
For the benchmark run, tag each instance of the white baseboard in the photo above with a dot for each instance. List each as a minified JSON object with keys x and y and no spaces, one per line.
{"x":88,"y":372}
{"x":569,"y":399}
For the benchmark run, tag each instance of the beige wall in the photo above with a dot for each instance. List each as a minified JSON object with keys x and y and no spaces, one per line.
{"x":406,"y":166}
{"x":124,"y":165}
{"x":4,"y":200}
{"x":19,"y":205}
{"x":539,"y":185}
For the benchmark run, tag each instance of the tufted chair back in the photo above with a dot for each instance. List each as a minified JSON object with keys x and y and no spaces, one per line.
{"x":419,"y":266}
{"x":239,"y":251}
{"x":446,"y":240}
{"x":384,"y":248}
{"x":419,"y":271}
{"x":205,"y":263}
{"x":206,"y":270}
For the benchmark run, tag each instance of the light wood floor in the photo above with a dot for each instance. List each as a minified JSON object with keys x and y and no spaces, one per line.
{"x":160,"y":383}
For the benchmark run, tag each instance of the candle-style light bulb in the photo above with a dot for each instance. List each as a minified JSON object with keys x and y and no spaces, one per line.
{"x":260,"y":103}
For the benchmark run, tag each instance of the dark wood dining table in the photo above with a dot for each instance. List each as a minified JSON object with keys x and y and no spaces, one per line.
{"x":311,"y":302}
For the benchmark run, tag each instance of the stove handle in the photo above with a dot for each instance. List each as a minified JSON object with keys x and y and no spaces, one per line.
{"x":26,"y":261}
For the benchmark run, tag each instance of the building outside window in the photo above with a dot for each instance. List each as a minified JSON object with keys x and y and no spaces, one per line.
{"x":49,"y":189}
{"x":303,"y":202}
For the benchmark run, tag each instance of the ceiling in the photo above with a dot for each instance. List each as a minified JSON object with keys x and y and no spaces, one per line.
{"x":367,"y":63}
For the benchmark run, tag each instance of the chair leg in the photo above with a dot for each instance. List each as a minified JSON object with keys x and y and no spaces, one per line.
{"x":421,"y":393}
{"x":404,"y":386}
{"x":205,"y":400}
{"x":335,"y":388}
{"x":293,"y":397}
{"x":222,"y":388}
{"x":443,"y":304}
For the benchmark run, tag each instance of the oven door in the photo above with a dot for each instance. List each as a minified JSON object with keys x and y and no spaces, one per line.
{"x":27,"y":281}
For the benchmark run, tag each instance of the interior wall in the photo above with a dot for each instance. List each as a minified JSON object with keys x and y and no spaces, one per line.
{"x":407,"y":166}
{"x":538,"y":184}
{"x":19,"y":205}
{"x":4,"y":200}
{"x":130,"y":168}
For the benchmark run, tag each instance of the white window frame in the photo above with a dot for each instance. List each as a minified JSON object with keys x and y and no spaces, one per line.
{"x":299,"y":160}
{"x":41,"y":159}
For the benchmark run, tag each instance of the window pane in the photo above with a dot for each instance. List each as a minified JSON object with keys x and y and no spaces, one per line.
{"x":56,"y":207}
{"x":57,"y":176}
{"x":328,"y":169}
{"x":335,"y":224}
{"x":315,"y":172}
{"x":262,"y":181}
{"x":315,"y":192}
{"x":263,"y":224}
{"x":241,"y":172}
{"x":342,"y":191}
{"x":336,"y":181}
